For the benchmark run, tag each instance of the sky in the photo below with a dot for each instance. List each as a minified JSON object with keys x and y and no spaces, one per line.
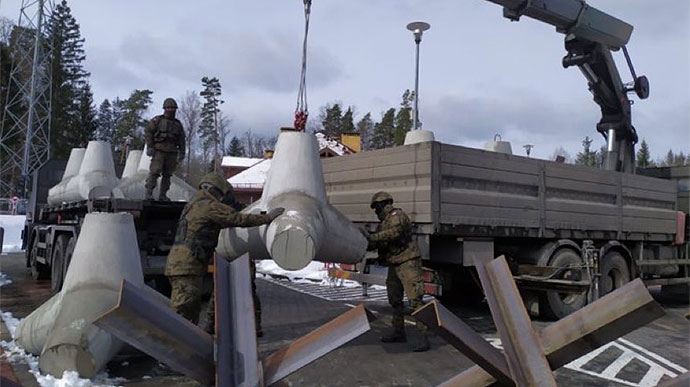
{"x":480,"y":74}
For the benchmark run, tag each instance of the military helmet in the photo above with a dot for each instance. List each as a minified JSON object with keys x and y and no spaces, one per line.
{"x":169,"y":103}
{"x":380,"y":196}
{"x":217,"y":181}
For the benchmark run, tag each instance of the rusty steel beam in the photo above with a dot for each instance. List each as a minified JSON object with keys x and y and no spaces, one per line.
{"x":610,"y":317}
{"x":149,"y":325}
{"x":237,"y":354}
{"x":526,"y":361}
{"x":315,"y":344}
{"x":463,"y":338}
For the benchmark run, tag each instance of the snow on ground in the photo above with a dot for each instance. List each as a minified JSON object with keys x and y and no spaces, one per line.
{"x":16,"y":354}
{"x":13,"y":225}
{"x":314,"y":272}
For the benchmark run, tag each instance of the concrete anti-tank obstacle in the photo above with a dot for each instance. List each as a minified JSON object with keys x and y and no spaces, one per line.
{"x":106,"y":252}
{"x":418,"y":136}
{"x":134,"y":186}
{"x":310,"y":229}
{"x":56,"y":193}
{"x":131,"y":165}
{"x":96,"y":177}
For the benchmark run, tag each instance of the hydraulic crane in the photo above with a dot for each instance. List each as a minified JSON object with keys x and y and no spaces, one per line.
{"x":591,"y":36}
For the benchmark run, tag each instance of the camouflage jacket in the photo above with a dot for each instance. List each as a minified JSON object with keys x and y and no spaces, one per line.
{"x":393,"y":238}
{"x":197,"y":233}
{"x":165,"y":135}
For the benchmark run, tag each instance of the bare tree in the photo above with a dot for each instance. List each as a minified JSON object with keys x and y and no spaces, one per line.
{"x":190,"y":115}
{"x":223,"y":131}
{"x":6,"y":26}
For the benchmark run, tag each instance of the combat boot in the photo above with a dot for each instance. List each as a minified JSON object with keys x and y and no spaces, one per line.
{"x":395,"y":336}
{"x":421,"y":344}
{"x":149,"y":194}
{"x":163,"y":198}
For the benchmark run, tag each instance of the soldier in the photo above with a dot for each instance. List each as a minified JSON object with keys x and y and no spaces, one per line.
{"x":165,"y":143}
{"x":399,"y":251}
{"x":196,"y":238}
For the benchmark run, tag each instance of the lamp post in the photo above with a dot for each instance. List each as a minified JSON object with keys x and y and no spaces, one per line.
{"x":417,"y":29}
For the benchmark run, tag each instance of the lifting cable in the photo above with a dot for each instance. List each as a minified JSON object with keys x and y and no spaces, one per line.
{"x":302,"y":111}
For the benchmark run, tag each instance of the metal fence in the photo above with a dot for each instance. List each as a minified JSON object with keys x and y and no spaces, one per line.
{"x":13,"y":206}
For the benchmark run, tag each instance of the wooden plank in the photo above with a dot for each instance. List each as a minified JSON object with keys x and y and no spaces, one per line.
{"x":578,"y":221}
{"x":419,"y":212}
{"x":376,"y":172}
{"x":580,"y":173}
{"x":649,"y":183}
{"x":649,"y":226}
{"x":565,"y":184}
{"x":488,"y":216}
{"x":582,"y":207}
{"x":458,"y":155}
{"x":488,"y":199}
{"x":664,"y":197}
{"x":649,"y":213}
{"x":454,"y":171}
{"x":381,"y":157}
{"x":400,"y":194}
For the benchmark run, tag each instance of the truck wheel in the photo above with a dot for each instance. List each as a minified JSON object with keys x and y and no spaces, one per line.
{"x":614,"y":273}
{"x":57,"y":263}
{"x":39,"y":271}
{"x":558,"y":305}
{"x":69,"y":251}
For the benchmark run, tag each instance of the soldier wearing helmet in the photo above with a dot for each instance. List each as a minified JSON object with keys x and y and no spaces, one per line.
{"x":165,"y":143}
{"x":399,"y":251}
{"x":196,"y":238}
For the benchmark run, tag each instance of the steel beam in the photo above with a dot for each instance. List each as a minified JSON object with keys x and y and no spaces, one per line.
{"x":610,"y":317}
{"x":146,"y":323}
{"x":526,"y":361}
{"x":463,"y":338}
{"x":237,"y":356}
{"x":319,"y":342}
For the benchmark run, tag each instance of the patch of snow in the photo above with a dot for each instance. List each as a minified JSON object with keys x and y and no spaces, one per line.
{"x":253,"y":177}
{"x":13,"y":225}
{"x":315,"y":272}
{"x":16,"y":354}
{"x":4,"y":280}
{"x":334,"y":145}
{"x":146,"y":377}
{"x":233,"y":161}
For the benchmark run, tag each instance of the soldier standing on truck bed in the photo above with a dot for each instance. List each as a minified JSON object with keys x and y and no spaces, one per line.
{"x":399,"y":251}
{"x":165,"y":143}
{"x":196,"y":238}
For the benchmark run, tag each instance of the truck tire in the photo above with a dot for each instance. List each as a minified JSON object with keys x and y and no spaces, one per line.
{"x":57,"y":263}
{"x":558,"y":305}
{"x":614,"y":273}
{"x":39,"y":271}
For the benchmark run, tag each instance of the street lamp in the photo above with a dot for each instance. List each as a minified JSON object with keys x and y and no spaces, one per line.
{"x":417,"y":29}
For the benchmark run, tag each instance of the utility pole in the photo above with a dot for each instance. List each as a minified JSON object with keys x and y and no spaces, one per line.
{"x":417,"y":29}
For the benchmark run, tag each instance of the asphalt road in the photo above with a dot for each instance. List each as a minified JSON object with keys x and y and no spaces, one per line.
{"x":645,"y":357}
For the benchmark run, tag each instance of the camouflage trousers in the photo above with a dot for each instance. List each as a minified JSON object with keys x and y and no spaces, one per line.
{"x":185,"y":298}
{"x":164,"y":163}
{"x":405,"y":278}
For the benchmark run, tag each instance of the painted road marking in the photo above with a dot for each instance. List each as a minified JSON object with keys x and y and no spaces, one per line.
{"x":658,"y":366}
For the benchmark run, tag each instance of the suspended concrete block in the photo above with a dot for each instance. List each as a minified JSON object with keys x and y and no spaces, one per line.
{"x":106,"y":252}
{"x":56,"y":193}
{"x":134,"y":187}
{"x":310,"y":229}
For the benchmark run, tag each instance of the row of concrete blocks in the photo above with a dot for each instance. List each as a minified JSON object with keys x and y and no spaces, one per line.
{"x":90,"y":174}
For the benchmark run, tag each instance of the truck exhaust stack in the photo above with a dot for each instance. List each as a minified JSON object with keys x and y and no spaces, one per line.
{"x":61,"y":329}
{"x":310,"y":229}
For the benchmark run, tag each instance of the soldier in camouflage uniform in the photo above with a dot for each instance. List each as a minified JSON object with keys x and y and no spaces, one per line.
{"x":165,"y":143}
{"x":399,"y":251}
{"x":196,"y":238}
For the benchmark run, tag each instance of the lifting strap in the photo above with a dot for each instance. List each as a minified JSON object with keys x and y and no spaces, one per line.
{"x":302,"y":110}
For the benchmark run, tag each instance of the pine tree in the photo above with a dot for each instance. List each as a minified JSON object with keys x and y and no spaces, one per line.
{"x":69,"y":77}
{"x":208,"y":129}
{"x":347,"y":121}
{"x":365,"y":128}
{"x":403,"y":120}
{"x":670,"y":159}
{"x":106,"y":122}
{"x":85,"y":122}
{"x":235,"y":148}
{"x":130,"y":122}
{"x":586,"y":157}
{"x":332,"y":121}
{"x":644,"y":158}
{"x":383,"y":136}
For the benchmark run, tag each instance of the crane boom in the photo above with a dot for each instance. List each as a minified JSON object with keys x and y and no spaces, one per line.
{"x":591,"y":35}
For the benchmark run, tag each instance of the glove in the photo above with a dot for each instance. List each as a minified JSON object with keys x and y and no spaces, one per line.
{"x":150,"y":151}
{"x":276,"y":212}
